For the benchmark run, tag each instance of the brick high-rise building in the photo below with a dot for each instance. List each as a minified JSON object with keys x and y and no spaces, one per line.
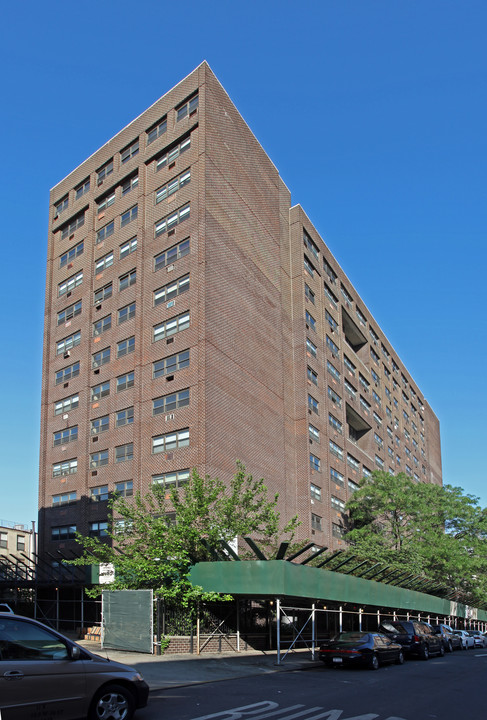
{"x":193,"y":318}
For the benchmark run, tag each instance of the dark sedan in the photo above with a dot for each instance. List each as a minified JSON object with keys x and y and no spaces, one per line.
{"x":370,"y":649}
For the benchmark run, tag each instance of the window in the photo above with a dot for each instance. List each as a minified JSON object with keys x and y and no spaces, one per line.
{"x":309,"y":267}
{"x":375,"y":377}
{"x":337,"y":504}
{"x":63,"y":532}
{"x":378,"y":440}
{"x":389,"y":432}
{"x":373,"y":335}
{"x":331,"y":296}
{"x":338,"y":531}
{"x":82,"y":189}
{"x":377,"y":418}
{"x":128,"y":216}
{"x":309,"y":293}
{"x":332,"y":370}
{"x":173,"y":186}
{"x":123,"y":453}
{"x":331,"y":321}
{"x":103,"y":263}
{"x":173,"y":153}
{"x":125,"y":489}
{"x":126,"y":313}
{"x":314,"y":433}
{"x":99,"y":425}
{"x":361,"y":317}
{"x":387,"y":392}
{"x":336,"y":477}
{"x":310,"y":321}
{"x":130,"y":152}
{"x":105,"y":202}
{"x":170,"y":221}
{"x":336,"y":399}
{"x":105,"y":232}
{"x":128,"y":247}
{"x":346,"y":296}
{"x":366,"y":472}
{"x":66,"y":467}
{"x":379,"y":462}
{"x":171,"y":364}
{"x":353,"y":462}
{"x":77,"y":222}
{"x":171,"y":255}
{"x":103,"y":293}
{"x":69,"y":284}
{"x":312,"y":376}
{"x":98,"y":529}
{"x":68,"y":313}
{"x":314,"y":462}
{"x":171,"y":479}
{"x":125,"y":381}
{"x":99,"y":391}
{"x":316,"y":522}
{"x":63,"y":499}
{"x":171,"y":326}
{"x":130,"y":184}
{"x":376,"y":398}
{"x":101,"y":326}
{"x":332,"y":346}
{"x":311,"y":348}
{"x":67,"y":373}
{"x":365,"y":405}
{"x":170,"y":441}
{"x":71,"y":254}
{"x":335,"y":423}
{"x":178,"y":287}
{"x":156,"y":131}
{"x":126,"y":280}
{"x":124,"y":417}
{"x":188,"y":108}
{"x":3,"y":540}
{"x":67,"y":404}
{"x":315,"y":492}
{"x":336,"y":450}
{"x":104,"y":172}
{"x":102,"y":357}
{"x":364,"y":383}
{"x":67,"y":343}
{"x":374,"y":356}
{"x":98,"y":459}
{"x":349,"y":365}
{"x":69,"y":434}
{"x":99,"y":494}
{"x":308,"y":242}
{"x":313,"y":404}
{"x":330,"y":272}
{"x":170,"y":402}
{"x":125,"y":347}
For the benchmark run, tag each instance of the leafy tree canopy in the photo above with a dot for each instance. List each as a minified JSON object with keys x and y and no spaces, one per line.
{"x":431,"y":530}
{"x":154,"y":539}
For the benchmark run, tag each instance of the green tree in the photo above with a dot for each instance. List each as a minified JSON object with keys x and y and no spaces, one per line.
{"x":154,"y":539}
{"x":431,"y":530}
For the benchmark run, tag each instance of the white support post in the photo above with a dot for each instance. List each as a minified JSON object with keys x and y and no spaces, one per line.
{"x":278,"y":630}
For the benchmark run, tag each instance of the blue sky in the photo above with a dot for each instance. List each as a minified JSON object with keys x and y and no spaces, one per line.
{"x":374,"y":112}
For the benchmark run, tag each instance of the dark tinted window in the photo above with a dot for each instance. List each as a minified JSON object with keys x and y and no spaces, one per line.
{"x":395,"y":627}
{"x":25,"y":641}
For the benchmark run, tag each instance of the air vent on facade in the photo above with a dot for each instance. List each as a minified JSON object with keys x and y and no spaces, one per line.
{"x":94,"y":472}
{"x":98,"y":307}
{"x":169,"y":341}
{"x":169,"y":417}
{"x":171,"y":166}
{"x":97,"y":371}
{"x":171,"y":303}
{"x":66,"y":385}
{"x":171,"y":232}
{"x":169,"y":378}
{"x":95,"y":439}
{"x":68,"y":294}
{"x":71,"y":236}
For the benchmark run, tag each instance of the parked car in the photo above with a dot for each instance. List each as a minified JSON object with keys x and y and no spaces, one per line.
{"x":467,"y":640}
{"x":4,"y":608}
{"x":42,"y":673}
{"x":478,"y":638}
{"x":415,"y":636}
{"x":371,"y":649}
{"x":450,"y":640}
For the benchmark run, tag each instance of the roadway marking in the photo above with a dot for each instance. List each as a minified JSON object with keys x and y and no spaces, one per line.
{"x":269,"y":709}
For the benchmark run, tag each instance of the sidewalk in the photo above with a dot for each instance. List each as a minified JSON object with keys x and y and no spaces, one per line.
{"x":169,"y":671}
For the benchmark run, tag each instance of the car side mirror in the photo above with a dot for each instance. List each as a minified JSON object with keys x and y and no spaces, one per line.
{"x":74,"y":652}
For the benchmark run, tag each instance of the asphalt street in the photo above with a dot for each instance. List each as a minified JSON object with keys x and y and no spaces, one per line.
{"x":449,"y":688}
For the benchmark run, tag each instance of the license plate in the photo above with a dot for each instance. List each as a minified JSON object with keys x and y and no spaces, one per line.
{"x":337,"y":660}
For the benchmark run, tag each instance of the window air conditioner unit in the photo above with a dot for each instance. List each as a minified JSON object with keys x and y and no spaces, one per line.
{"x":67,"y":354}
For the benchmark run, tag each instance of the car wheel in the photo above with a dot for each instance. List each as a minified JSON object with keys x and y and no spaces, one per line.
{"x":424,"y":653}
{"x":442,"y":650}
{"x":400,"y":658}
{"x":450,"y":646}
{"x":112,"y":702}
{"x":374,"y":662}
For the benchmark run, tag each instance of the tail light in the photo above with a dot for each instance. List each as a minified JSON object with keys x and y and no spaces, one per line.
{"x":415,"y":638}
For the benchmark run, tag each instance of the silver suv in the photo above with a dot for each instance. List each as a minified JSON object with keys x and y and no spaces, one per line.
{"x":43,"y":674}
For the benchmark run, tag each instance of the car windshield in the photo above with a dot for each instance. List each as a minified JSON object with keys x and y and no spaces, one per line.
{"x":351,"y":637}
{"x":395,"y":627}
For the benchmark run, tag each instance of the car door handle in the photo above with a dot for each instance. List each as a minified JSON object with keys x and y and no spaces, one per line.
{"x":13,"y":675}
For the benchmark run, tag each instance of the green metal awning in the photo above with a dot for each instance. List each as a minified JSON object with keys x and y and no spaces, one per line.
{"x":280,"y":578}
